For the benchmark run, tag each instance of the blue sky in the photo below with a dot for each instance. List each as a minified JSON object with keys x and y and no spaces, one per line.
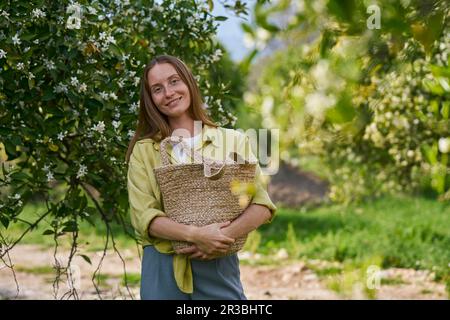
{"x":229,"y":31}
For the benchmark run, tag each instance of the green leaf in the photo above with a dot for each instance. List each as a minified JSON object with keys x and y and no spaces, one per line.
{"x":432,"y":86}
{"x":342,"y":112}
{"x":327,"y":42}
{"x":86,"y":258}
{"x":83,"y":202}
{"x":70,"y":226}
{"x":115,"y":50}
{"x":211,"y":5}
{"x":220,"y":18}
{"x":48,"y":232}
{"x":31,"y":83}
{"x":247,"y":28}
{"x":20,"y":176}
{"x":27,"y":37}
{"x":426,"y":33}
{"x":91,"y":210}
{"x":445,"y":110}
{"x":342,"y":9}
{"x":5,"y":222}
{"x":430,"y":153}
{"x":48,"y":95}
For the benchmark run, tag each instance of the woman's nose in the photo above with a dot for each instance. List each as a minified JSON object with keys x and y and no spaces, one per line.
{"x":169,"y":91}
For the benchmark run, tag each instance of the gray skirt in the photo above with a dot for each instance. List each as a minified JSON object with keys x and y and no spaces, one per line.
{"x":217,"y":279}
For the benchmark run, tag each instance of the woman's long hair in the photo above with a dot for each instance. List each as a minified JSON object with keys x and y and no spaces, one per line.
{"x":151,"y":122}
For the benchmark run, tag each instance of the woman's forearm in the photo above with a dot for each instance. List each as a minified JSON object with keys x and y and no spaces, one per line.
{"x":166,"y":228}
{"x":254,"y":216}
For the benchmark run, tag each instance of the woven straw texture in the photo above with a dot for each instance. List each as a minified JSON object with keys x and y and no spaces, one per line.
{"x":200,"y":193}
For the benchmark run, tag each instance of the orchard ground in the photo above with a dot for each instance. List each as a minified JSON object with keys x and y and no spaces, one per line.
{"x":313,"y":252}
{"x":287,"y":280}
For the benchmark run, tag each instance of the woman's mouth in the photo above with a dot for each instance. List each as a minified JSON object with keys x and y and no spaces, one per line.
{"x":173,"y":102}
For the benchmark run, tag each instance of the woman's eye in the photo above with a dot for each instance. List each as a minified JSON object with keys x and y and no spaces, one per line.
{"x":174,"y":81}
{"x":156,"y":90}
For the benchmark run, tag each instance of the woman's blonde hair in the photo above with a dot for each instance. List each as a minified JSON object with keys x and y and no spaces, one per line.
{"x":151,"y":122}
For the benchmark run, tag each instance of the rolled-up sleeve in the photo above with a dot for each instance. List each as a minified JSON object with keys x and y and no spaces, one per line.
{"x":261,"y":195}
{"x":144,"y":207}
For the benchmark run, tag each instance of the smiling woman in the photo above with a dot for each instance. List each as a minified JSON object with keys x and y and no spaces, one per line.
{"x":167,"y":78}
{"x":171,"y":103}
{"x":168,"y":91}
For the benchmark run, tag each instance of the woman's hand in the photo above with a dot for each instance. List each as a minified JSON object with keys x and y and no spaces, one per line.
{"x":196,"y":253}
{"x":209,"y":241}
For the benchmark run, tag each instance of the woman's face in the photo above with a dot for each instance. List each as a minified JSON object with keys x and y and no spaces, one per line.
{"x":169,"y":93}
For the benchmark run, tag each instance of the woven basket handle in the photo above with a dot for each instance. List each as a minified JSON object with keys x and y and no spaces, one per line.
{"x":212,"y":169}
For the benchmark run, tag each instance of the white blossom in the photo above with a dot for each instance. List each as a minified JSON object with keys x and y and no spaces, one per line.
{"x":444,"y":145}
{"x":104,"y":95}
{"x":102,"y":36}
{"x":158,"y":8}
{"x":110,"y":39}
{"x":82,"y":87}
{"x":92,"y":10}
{"x":38,"y":13}
{"x":134,"y":107}
{"x":113,"y":96}
{"x":50,"y":176}
{"x":116,"y":124}
{"x":99,"y":127}
{"x":130,"y":134}
{"x":61,"y":88}
{"x":317,"y":103}
{"x":216,"y":56}
{"x":2,"y":54}
{"x":74,"y":81}
{"x":20,"y":66}
{"x":50,"y":65}
{"x":16,"y":40}
{"x":61,"y":135}
{"x":82,"y":171}
{"x":4,"y":14}
{"x":321,"y":74}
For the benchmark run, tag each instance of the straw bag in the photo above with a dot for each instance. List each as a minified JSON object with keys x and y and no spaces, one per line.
{"x":200,"y":193}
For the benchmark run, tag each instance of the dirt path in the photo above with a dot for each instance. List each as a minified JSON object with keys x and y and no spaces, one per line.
{"x":35,"y":276}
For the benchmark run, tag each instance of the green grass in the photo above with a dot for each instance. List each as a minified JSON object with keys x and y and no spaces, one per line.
{"x":133,"y":279}
{"x":91,"y":238}
{"x":409,"y":232}
{"x":403,"y":230}
{"x":393,"y":281}
{"x":38,"y":270}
